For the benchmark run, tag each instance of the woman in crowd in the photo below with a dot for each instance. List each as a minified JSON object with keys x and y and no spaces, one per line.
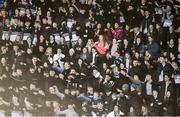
{"x":101,"y":45}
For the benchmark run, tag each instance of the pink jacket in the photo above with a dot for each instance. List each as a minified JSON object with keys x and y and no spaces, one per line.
{"x":100,"y":46}
{"x":117,"y":33}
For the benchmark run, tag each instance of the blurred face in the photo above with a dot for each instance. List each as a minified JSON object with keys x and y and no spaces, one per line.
{"x":61,"y":76}
{"x":14,"y":99}
{"x":73,"y":92}
{"x":3,"y":60}
{"x":27,"y":24}
{"x":87,"y":24}
{"x":135,"y":63}
{"x":51,"y":90}
{"x":66,"y":65}
{"x":131,"y":109}
{"x":100,"y":37}
{"x":90,"y":90}
{"x":168,"y":94}
{"x":155,"y":93}
{"x":29,"y":51}
{"x":48,"y":13}
{"x":89,"y":41}
{"x":29,"y":40}
{"x":34,"y":59}
{"x":41,"y":48}
{"x":95,"y":94}
{"x":116,"y":109}
{"x":136,"y":77}
{"x":127,"y":27}
{"x":148,"y":77}
{"x":166,"y":78}
{"x":93,"y":50}
{"x":142,"y":11}
{"x":171,"y":29}
{"x":157,"y":26}
{"x":143,"y":1}
{"x":73,"y":71}
{"x":108,"y":25}
{"x":44,"y":21}
{"x":16,"y":11}
{"x":66,"y":91}
{"x":70,"y":106}
{"x":54,"y":25}
{"x":107,"y":77}
{"x":55,"y":104}
{"x":104,"y":66}
{"x":51,"y":38}
{"x":3,"y":49}
{"x":174,"y":65}
{"x":32,"y":87}
{"x":79,"y":41}
{"x":161,"y":60}
{"x":137,"y":55}
{"x":48,"y":104}
{"x":84,"y":109}
{"x":150,"y":39}
{"x":165,"y":54}
{"x":71,"y":52}
{"x":18,"y":38}
{"x":80,"y":62}
{"x":99,"y":26}
{"x":6,"y":36}
{"x":41,"y":38}
{"x":143,"y":109}
{"x":45,"y":65}
{"x":95,"y":71}
{"x":136,"y":29}
{"x":32,"y":70}
{"x":49,"y":50}
{"x":127,"y":55}
{"x":121,"y":66}
{"x":114,"y":41}
{"x":146,"y":13}
{"x":100,"y":105}
{"x":168,"y":8}
{"x":116,"y":69}
{"x":59,"y":51}
{"x":151,"y":27}
{"x":84,"y":50}
{"x":71,"y":9}
{"x":52,"y":73}
{"x":171,"y":41}
{"x":19,"y":71}
{"x":55,"y":63}
{"x":125,"y":42}
{"x":77,"y":92}
{"x":3,"y":12}
{"x":116,"y":25}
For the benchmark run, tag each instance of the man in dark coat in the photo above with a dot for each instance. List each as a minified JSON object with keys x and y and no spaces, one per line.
{"x":155,"y":104}
{"x":162,"y":69}
{"x":167,"y":85}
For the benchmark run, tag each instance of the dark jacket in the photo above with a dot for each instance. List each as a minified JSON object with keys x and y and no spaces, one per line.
{"x":169,"y":88}
{"x":169,"y":104}
{"x":167,"y":69}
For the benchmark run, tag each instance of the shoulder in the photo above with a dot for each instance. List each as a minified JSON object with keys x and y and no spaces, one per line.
{"x":111,"y":114}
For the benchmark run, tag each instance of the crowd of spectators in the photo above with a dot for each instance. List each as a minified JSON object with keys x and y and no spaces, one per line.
{"x":90,"y":58}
